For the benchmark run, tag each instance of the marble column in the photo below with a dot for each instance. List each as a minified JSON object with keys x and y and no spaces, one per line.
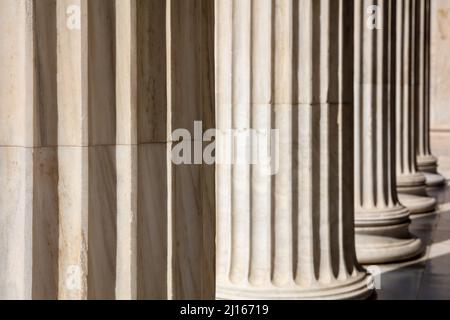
{"x":411,"y":183}
{"x":439,"y":84}
{"x":86,"y":149}
{"x":166,"y":217}
{"x":381,"y":222}
{"x":427,"y":162}
{"x":92,"y":205}
{"x":28,"y":156}
{"x":286,"y":65}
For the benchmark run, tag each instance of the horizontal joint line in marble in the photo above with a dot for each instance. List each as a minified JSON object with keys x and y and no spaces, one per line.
{"x":87,"y":146}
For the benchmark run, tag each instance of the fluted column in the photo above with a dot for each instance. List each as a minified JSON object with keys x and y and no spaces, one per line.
{"x":165,"y":213}
{"x":439,"y":84}
{"x":410,"y":182}
{"x":86,"y":149}
{"x":286,"y":65}
{"x":92,"y":203}
{"x":381,"y":221}
{"x":427,"y":162}
{"x":28,"y":156}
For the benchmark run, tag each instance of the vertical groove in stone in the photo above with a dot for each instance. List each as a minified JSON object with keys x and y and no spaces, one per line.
{"x":101,"y":131}
{"x":307,"y":244}
{"x":308,"y":240}
{"x":241,"y":99}
{"x":345,"y":245}
{"x":422,"y":108}
{"x":389,"y":173}
{"x":329,"y":133}
{"x":413,"y":85}
{"x":403,"y":89}
{"x":150,"y":144}
{"x":427,"y":79}
{"x":283,"y":75}
{"x":224,"y":54}
{"x":190,"y":86}
{"x":400,"y":45}
{"x":261,"y":99}
{"x":73,"y":154}
{"x":45,"y":171}
{"x":126,"y":153}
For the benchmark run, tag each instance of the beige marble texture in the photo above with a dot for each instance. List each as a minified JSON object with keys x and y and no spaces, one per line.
{"x":439,"y":84}
{"x":28,"y":200}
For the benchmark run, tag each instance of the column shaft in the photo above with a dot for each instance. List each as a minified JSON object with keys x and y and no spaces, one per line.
{"x":286,"y":65}
{"x":410,"y":182}
{"x":92,"y":206}
{"x":381,"y":222}
{"x":427,"y":163}
{"x":86,"y":149}
{"x":28,"y":157}
{"x":165,"y":214}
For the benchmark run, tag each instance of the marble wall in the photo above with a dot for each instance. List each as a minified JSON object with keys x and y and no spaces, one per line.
{"x":440,"y":83}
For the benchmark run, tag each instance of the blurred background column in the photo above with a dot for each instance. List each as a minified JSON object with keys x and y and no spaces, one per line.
{"x":411,"y":183}
{"x":426,"y":161}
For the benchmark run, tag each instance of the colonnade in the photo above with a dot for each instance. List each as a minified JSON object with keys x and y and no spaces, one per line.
{"x":92,"y":205}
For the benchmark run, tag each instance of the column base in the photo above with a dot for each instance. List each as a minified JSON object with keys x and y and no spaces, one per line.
{"x":413,"y":184}
{"x":355,"y":287}
{"x":427,"y":163}
{"x":417,"y":204}
{"x":435,"y":181}
{"x":388,"y":250}
{"x":382,"y":236}
{"x":428,"y":166}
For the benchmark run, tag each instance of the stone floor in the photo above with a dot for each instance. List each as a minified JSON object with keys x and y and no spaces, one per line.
{"x":428,"y":277}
